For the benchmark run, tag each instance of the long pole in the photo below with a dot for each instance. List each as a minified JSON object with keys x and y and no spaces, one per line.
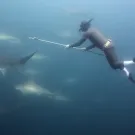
{"x":64,"y":45}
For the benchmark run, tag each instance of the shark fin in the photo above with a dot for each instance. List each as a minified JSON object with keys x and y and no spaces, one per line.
{"x":3,"y":71}
{"x":26,"y":58}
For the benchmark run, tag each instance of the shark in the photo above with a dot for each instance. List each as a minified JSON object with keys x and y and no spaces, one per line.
{"x":32,"y":88}
{"x":9,"y":38}
{"x":7,"y":63}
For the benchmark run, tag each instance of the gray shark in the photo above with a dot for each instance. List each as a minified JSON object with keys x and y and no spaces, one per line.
{"x":8,"y":62}
{"x":31,"y":87}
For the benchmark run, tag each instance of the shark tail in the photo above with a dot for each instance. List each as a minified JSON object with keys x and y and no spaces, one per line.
{"x":26,"y":58}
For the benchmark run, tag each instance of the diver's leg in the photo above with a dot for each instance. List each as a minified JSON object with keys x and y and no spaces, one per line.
{"x":114,"y":61}
{"x":116,"y":64}
{"x":112,"y":58}
{"x":126,"y":71}
{"x":129,"y":75}
{"x":129,"y":62}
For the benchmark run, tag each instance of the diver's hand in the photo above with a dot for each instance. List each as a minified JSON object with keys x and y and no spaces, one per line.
{"x":84,"y":49}
{"x":35,"y":38}
{"x":67,"y":46}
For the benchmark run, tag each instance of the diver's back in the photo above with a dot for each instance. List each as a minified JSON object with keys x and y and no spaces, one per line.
{"x":96,"y":37}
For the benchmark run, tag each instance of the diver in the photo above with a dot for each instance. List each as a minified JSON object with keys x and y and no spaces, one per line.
{"x":98,"y":40}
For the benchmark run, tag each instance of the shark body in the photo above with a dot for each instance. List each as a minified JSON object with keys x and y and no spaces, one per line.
{"x":8,"y":62}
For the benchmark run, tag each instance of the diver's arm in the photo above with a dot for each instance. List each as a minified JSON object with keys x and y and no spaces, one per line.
{"x":78,"y":43}
{"x":90,"y":47}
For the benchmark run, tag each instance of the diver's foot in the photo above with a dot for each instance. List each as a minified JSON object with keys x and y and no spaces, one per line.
{"x":133,"y":59}
{"x":131,"y":78}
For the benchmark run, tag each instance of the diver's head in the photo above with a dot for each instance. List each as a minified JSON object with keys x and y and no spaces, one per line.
{"x":85,"y":25}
